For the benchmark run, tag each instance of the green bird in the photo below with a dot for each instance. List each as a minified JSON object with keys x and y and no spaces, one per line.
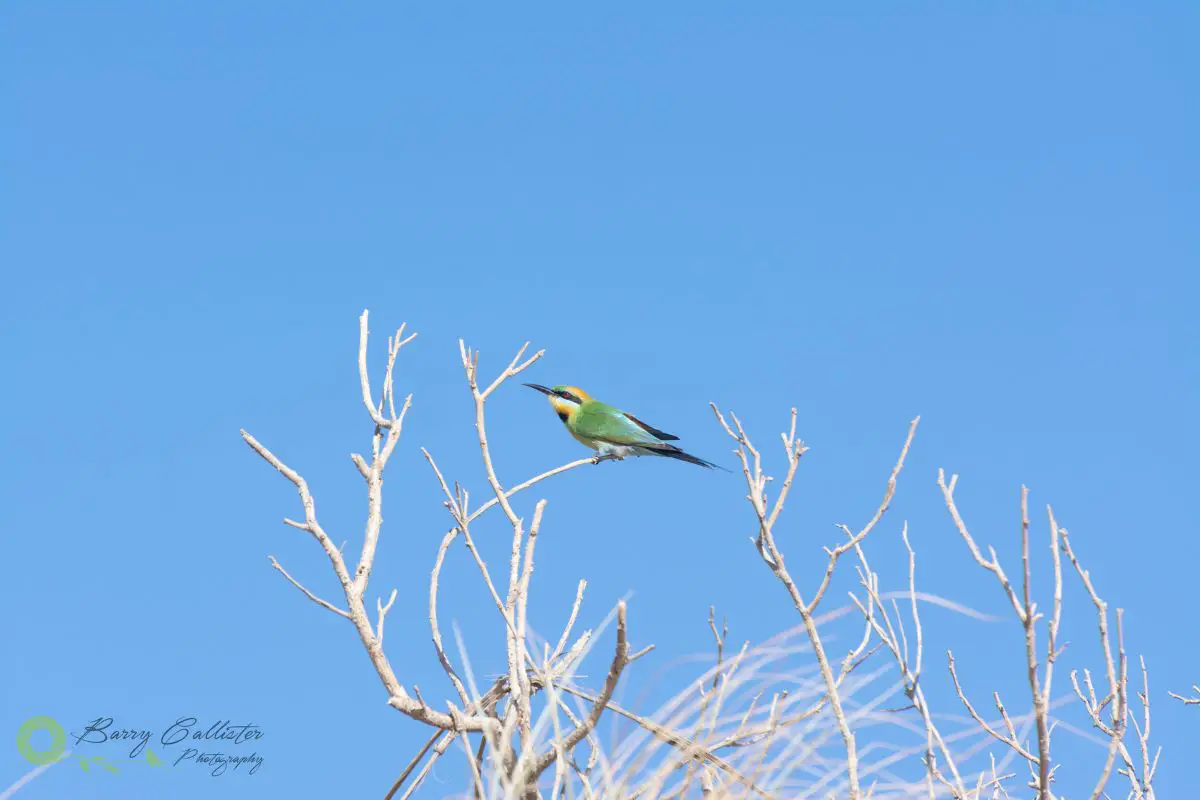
{"x":611,"y":432}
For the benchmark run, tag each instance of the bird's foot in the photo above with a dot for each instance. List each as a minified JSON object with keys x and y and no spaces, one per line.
{"x":606,"y":457}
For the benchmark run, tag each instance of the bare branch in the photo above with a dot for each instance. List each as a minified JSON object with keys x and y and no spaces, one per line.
{"x":1194,"y":700}
{"x":993,"y":565}
{"x":464,"y":526}
{"x":413,"y":764}
{"x":644,"y":651}
{"x":620,"y":659}
{"x":687,"y":747}
{"x":364,"y":375}
{"x":435,"y":629}
{"x":1116,"y":674}
{"x":1010,"y":739}
{"x":375,"y":497}
{"x":353,"y":588}
{"x":756,"y":482}
{"x":910,"y":671}
{"x":518,"y":605}
{"x":1143,"y":786}
{"x":566,"y":634}
{"x":1029,"y":621}
{"x":1027,"y":614}
{"x":522,"y":486}
{"x":306,"y":500}
{"x":854,"y":540}
{"x":382,"y":610}
{"x":470,"y":364}
{"x":394,"y":346}
{"x":307,"y":593}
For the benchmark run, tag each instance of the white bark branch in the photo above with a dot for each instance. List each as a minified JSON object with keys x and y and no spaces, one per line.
{"x":386,"y":436}
{"x":756,"y":482}
{"x":323,"y":603}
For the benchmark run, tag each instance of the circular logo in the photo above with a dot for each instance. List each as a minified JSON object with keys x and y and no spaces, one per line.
{"x":58,"y":740}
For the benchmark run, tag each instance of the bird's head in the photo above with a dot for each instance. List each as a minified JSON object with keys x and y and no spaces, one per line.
{"x":563,"y":399}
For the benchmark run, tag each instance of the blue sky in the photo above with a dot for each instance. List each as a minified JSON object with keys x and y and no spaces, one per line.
{"x":982,"y":216}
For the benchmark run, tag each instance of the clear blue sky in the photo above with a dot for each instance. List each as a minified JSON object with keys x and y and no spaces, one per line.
{"x":983,"y":216}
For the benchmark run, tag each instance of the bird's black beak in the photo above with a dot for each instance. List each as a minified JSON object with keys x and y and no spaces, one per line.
{"x":540,"y":388}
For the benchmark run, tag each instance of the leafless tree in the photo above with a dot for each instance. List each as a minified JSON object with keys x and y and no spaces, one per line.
{"x":761,"y":720}
{"x":518,"y":754}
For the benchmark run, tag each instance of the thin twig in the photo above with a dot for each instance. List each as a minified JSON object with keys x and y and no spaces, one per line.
{"x":323,"y":603}
{"x":1194,"y":700}
{"x":756,"y":482}
{"x":620,"y":659}
{"x":1115,"y":673}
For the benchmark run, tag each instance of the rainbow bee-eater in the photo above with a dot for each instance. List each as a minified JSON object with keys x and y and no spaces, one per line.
{"x":611,"y":432}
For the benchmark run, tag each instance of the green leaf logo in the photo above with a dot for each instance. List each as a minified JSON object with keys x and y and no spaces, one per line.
{"x":58,"y":740}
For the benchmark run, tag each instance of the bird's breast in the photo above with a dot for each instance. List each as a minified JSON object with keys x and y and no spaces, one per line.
{"x":592,"y":443}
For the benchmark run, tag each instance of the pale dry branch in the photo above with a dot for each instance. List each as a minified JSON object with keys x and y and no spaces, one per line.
{"x":519,"y":718}
{"x":463,"y":525}
{"x":686,"y":747}
{"x":910,"y":670}
{"x":310,"y":523}
{"x":382,"y":609}
{"x":522,"y":486}
{"x":412,"y":764}
{"x":518,"y":604}
{"x":470,"y":362}
{"x":1143,"y":785}
{"x":756,"y":481}
{"x":619,"y":661}
{"x":1194,"y":700}
{"x":526,"y":767}
{"x":440,"y":742}
{"x":854,"y":540}
{"x":323,"y":603}
{"x":435,"y":628}
{"x":768,"y":516}
{"x":771,"y":729}
{"x":387,"y":434}
{"x":398,"y":697}
{"x":710,"y":707}
{"x":993,"y":565}
{"x":566,"y":634}
{"x":374,"y":479}
{"x":1029,"y":622}
{"x":360,"y":464}
{"x":383,"y":443}
{"x":1028,"y":615}
{"x":474,"y":762}
{"x":1011,"y":738}
{"x":394,"y":345}
{"x":645,"y":651}
{"x":1116,"y":674}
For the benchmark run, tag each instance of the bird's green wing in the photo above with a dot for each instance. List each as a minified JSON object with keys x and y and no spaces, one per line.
{"x":596,"y":420}
{"x":663,"y":435}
